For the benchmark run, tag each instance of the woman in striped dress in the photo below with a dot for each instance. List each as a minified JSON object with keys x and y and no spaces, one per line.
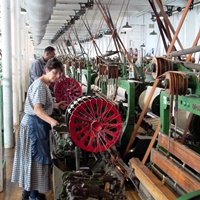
{"x":31,"y":168}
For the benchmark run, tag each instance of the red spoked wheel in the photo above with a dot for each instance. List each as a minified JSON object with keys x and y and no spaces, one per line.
{"x":94,"y":123}
{"x":67,"y":89}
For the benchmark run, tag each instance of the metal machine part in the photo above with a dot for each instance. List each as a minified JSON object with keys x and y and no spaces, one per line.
{"x":79,"y":186}
{"x":161,"y":65}
{"x":94,"y":123}
{"x":67,"y":89}
{"x":98,"y":175}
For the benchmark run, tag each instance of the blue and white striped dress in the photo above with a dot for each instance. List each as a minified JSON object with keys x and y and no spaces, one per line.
{"x":29,"y":174}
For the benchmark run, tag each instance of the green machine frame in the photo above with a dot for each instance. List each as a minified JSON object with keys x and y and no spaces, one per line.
{"x":190,"y":103}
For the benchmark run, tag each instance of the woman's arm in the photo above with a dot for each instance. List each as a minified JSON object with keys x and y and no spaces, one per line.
{"x":61,"y":105}
{"x":43,"y":115}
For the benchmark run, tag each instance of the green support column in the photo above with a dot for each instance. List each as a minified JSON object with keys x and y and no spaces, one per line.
{"x":164,"y":113}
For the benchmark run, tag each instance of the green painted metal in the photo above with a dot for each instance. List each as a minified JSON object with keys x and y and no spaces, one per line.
{"x":187,"y":103}
{"x":192,"y":78}
{"x":128,"y":125}
{"x":74,"y":75}
{"x":191,"y":196}
{"x":104,"y":86}
{"x":88,"y":76}
{"x":123,"y":66}
{"x":164,"y":113}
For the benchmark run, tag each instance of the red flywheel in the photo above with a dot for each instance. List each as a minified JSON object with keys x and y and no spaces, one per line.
{"x":67,"y":89}
{"x":94,"y":123}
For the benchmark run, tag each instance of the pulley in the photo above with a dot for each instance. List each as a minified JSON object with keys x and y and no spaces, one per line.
{"x":160,"y":65}
{"x":94,"y":123}
{"x":176,"y":83}
{"x":67,"y":89}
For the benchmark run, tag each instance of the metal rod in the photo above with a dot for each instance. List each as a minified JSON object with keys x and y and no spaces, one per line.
{"x":192,"y":65}
{"x":77,"y":156}
{"x":172,"y":184}
{"x":194,"y":44}
{"x":182,"y":165}
{"x":185,"y":51}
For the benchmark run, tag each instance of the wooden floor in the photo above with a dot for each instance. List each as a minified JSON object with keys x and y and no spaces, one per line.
{"x":11,"y":190}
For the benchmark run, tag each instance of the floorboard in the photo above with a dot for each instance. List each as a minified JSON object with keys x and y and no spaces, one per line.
{"x":11,"y":190}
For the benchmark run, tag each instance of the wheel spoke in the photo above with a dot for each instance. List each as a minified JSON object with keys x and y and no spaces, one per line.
{"x":94,"y":123}
{"x":67,"y":89}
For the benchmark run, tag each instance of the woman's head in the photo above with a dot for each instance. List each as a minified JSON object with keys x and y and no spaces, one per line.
{"x":54,"y":63}
{"x":53,"y":69}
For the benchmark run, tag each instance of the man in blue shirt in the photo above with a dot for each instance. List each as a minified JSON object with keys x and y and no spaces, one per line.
{"x":37,"y":67}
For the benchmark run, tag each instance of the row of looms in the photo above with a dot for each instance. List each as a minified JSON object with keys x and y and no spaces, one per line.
{"x":128,"y":138}
{"x":131,"y":128}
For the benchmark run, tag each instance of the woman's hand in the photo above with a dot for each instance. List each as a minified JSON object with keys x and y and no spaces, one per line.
{"x":61,"y":105}
{"x":43,"y":115}
{"x":53,"y":123}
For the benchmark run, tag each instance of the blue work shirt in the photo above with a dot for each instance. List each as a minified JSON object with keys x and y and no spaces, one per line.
{"x":37,"y":69}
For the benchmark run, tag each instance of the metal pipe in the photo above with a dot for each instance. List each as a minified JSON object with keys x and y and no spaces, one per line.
{"x":185,"y":168}
{"x":171,"y":183}
{"x":19,"y":56}
{"x":77,"y":157}
{"x":39,"y":13}
{"x":14,"y":62}
{"x":185,"y":51}
{"x":7,"y":75}
{"x":191,"y":65}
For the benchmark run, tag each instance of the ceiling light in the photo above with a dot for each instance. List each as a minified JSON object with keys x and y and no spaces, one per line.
{"x":153,"y":33}
{"x":160,"y":16}
{"x":98,"y":35}
{"x":23,"y":11}
{"x":108,"y":33}
{"x":153,"y":16}
{"x":127,"y":27}
{"x":169,"y":10}
{"x":191,"y":5}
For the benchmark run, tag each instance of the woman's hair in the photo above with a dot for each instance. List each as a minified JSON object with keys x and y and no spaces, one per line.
{"x":54,"y":63}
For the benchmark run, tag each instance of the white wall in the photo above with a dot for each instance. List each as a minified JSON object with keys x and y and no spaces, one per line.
{"x":141,"y":31}
{"x":140,"y":34}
